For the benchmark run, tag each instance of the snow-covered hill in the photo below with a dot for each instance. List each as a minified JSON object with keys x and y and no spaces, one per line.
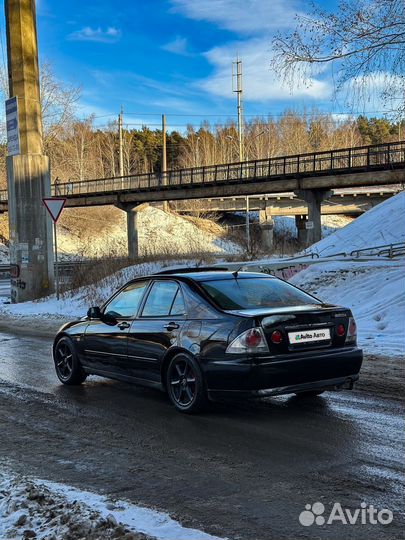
{"x":374,"y":291}
{"x":158,"y":233}
{"x":383,"y":224}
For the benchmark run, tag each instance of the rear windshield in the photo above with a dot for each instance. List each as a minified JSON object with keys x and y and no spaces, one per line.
{"x":254,"y":293}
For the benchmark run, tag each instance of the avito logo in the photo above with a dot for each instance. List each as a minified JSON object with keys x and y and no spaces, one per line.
{"x":366,"y":514}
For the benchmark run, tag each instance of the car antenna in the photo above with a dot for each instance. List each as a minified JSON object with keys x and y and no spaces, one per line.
{"x":235,"y":272}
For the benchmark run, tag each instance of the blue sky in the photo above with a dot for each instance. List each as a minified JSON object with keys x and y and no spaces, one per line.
{"x":173,"y":57}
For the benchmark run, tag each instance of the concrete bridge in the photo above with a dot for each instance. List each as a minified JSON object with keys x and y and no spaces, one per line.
{"x":353,"y":201}
{"x":312,"y":177}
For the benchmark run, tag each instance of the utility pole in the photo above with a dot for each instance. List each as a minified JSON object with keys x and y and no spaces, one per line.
{"x":28,"y":172}
{"x":164,"y":158}
{"x":237,"y":88}
{"x":121,"y":152}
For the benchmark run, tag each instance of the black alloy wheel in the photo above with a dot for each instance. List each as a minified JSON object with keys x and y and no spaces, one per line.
{"x":67,"y":365}
{"x":185,"y":384}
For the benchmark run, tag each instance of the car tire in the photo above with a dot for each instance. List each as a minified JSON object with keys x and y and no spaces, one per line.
{"x":185,"y":384}
{"x":67,"y":364}
{"x":309,"y":393}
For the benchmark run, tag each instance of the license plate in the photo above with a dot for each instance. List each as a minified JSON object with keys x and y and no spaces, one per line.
{"x":308,"y":336}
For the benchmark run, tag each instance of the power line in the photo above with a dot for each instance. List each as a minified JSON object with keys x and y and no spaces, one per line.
{"x":252,"y":115}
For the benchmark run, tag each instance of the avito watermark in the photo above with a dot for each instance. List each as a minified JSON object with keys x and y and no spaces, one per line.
{"x":366,"y":514}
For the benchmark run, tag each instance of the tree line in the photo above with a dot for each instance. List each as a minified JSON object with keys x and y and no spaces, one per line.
{"x":80,"y":150}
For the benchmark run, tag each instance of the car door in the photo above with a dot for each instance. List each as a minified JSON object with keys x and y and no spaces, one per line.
{"x":155,"y":329}
{"x":105,"y":345}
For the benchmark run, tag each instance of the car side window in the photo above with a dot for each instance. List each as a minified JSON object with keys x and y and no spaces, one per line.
{"x":161,"y":298}
{"x":178,"y":307}
{"x":127,"y":302}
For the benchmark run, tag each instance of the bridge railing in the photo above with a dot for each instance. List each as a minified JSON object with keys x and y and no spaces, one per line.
{"x":350,"y":160}
{"x":363,"y":158}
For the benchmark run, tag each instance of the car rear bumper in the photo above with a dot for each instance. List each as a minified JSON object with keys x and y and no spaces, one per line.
{"x":297,"y":372}
{"x":341,"y":383}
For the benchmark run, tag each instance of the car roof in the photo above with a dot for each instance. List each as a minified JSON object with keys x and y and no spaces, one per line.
{"x":210,"y":275}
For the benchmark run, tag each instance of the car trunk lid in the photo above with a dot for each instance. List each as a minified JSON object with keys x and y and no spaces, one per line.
{"x":307,"y":327}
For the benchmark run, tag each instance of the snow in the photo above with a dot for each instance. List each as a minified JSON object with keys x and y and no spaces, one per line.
{"x":383,"y":224}
{"x":76,"y":303}
{"x":159,"y":233}
{"x":330,"y":223}
{"x":54,"y":510}
{"x":374,"y":291}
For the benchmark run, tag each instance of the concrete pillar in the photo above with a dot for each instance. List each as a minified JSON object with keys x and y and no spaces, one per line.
{"x":267,"y":229}
{"x":301,"y":224}
{"x":132,"y":226}
{"x":132,"y":233}
{"x":314,"y":198}
{"x":28,"y":174}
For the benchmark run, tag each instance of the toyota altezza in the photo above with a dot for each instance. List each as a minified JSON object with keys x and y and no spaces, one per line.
{"x":211,"y":334}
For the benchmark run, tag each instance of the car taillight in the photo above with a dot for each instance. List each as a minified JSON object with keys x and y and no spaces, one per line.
{"x":351,"y":336}
{"x":253,"y":338}
{"x":340,"y":330}
{"x":276,"y":337}
{"x":250,"y":341}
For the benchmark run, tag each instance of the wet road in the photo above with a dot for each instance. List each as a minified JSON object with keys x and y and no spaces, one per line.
{"x":242,"y":470}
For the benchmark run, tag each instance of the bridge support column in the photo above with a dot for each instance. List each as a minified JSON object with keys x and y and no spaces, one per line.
{"x":132,"y":233}
{"x":266,"y":229}
{"x":313,"y":198}
{"x":132,"y":227}
{"x":301,"y":224}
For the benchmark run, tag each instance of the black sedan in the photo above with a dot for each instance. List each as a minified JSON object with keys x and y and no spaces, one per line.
{"x":207,"y":334}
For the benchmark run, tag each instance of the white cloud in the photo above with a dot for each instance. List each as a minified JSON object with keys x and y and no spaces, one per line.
{"x":378,"y":91}
{"x":255,"y":22}
{"x":247,"y":16}
{"x":110,"y":35}
{"x":179,"y":45}
{"x":259,"y":80}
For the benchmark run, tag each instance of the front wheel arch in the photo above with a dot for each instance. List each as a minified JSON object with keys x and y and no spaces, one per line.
{"x":77,"y":374}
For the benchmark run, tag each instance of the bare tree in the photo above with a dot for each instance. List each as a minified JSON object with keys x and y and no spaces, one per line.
{"x":58,"y":99}
{"x":364,"y":40}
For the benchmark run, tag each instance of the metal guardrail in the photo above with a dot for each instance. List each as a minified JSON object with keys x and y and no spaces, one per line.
{"x":386,"y":156}
{"x":386,"y":250}
{"x":389,"y":250}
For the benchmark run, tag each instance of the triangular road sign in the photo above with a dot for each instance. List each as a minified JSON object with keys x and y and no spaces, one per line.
{"x":54,"y":207}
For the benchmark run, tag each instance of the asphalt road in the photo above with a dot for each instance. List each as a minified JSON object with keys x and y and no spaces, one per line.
{"x":241,"y":470}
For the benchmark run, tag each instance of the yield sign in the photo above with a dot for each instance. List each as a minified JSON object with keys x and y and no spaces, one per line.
{"x":54,"y":207}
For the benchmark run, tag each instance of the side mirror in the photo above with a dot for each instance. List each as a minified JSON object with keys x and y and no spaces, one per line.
{"x":109,"y":318}
{"x":94,"y":313}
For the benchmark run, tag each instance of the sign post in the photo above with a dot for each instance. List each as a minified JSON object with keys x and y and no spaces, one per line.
{"x":55,"y":207}
{"x":13,"y":131}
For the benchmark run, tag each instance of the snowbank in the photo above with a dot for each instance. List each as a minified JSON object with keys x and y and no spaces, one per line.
{"x":76,"y":303}
{"x":46,"y":510}
{"x":383,"y":224}
{"x":374,"y":291}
